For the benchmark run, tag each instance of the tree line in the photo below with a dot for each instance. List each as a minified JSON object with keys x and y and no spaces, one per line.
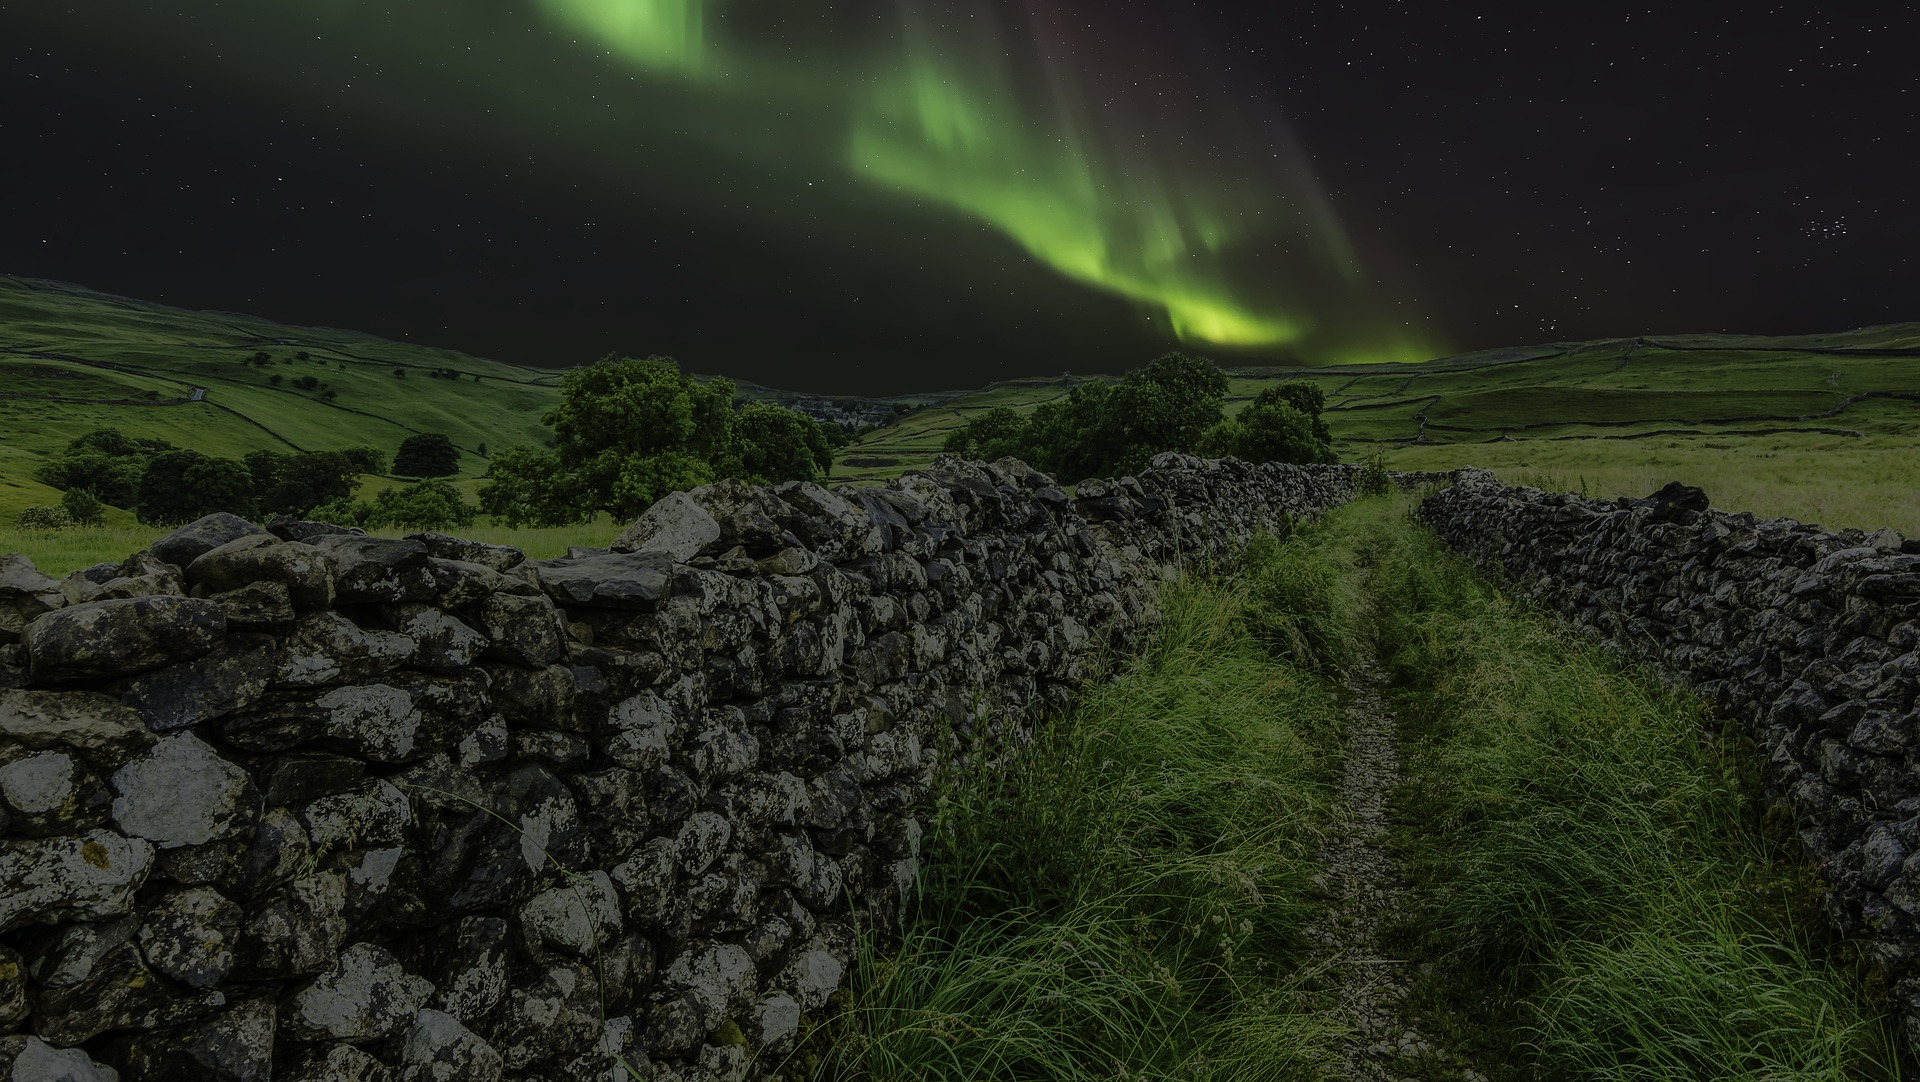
{"x":1174,"y":403}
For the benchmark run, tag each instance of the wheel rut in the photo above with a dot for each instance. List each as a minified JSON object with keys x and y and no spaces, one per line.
{"x":1361,"y":977}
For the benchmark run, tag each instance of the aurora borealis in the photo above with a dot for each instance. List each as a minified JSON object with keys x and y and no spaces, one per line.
{"x":880,"y":194}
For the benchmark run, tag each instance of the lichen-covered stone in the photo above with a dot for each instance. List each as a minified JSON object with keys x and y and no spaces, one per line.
{"x":88,"y":877}
{"x":30,"y":1059}
{"x":104,"y":639}
{"x":186,"y":544}
{"x":305,"y":571}
{"x":189,"y":935}
{"x":182,"y":792}
{"x":365,"y":996}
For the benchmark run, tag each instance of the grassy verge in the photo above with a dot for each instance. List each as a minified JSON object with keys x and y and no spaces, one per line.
{"x":1124,"y":901}
{"x":1598,"y":876}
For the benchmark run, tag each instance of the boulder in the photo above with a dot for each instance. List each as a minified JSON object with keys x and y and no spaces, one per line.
{"x":437,"y":1048}
{"x":676,"y":526}
{"x":233,"y":676}
{"x":190,"y":542}
{"x":51,"y":793}
{"x":378,"y":569}
{"x":183,"y":793}
{"x":105,"y":731}
{"x":306,"y":571}
{"x":90,"y":877}
{"x":30,"y":1059}
{"x":527,"y":631}
{"x":365,"y":996}
{"x":443,"y":547}
{"x":630,"y":581}
{"x":105,"y":639}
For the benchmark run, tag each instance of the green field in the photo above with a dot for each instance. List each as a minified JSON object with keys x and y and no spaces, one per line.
{"x":1824,"y":428}
{"x":1818,"y":427}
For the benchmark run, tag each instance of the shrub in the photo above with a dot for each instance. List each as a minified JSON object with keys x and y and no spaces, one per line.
{"x":43,"y":519}
{"x":83,"y":507}
{"x":1373,"y":478}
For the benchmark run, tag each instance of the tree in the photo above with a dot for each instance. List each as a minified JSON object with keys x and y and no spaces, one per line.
{"x":779,"y":444}
{"x":428,"y":505}
{"x":429,"y":454}
{"x":366,"y":459}
{"x":1273,"y":428}
{"x":83,"y":507}
{"x":994,"y":434}
{"x":296,"y":484}
{"x":1166,"y":406}
{"x":42,"y":519}
{"x":105,"y":462}
{"x":180,"y":486}
{"x":626,"y":432}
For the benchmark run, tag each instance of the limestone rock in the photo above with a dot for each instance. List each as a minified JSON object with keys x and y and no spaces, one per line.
{"x":367,"y":995}
{"x":52,"y":793}
{"x":234,"y":676}
{"x":30,"y":1059}
{"x":443,"y":547}
{"x":98,"y":727}
{"x":114,"y":638}
{"x":190,"y":542}
{"x":676,"y":526}
{"x":524,"y":630}
{"x":190,"y":936}
{"x":437,"y":1048}
{"x":378,"y":569}
{"x":306,"y":571}
{"x":635,"y":582}
{"x":182,"y":793}
{"x":90,"y":877}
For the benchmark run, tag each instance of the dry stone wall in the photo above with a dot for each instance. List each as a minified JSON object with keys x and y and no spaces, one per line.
{"x":1806,"y":636}
{"x":306,"y":804}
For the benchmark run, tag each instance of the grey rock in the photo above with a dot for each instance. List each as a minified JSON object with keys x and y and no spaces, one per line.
{"x":51,"y":793}
{"x":621,"y":581}
{"x":13,"y":989}
{"x":237,"y":1045}
{"x":437,"y":1048}
{"x":182,"y":793}
{"x":365,"y":996}
{"x":256,"y":606}
{"x":25,"y":595}
{"x":496,"y":557}
{"x":444,"y":644}
{"x":90,"y":877}
{"x":306,"y":571}
{"x":547,"y":1022}
{"x":30,"y":1059}
{"x":298,"y":929}
{"x":342,"y":1063}
{"x":189,"y":936}
{"x":578,"y":916}
{"x":91,"y":979}
{"x":378,"y":569}
{"x":472,"y":976}
{"x":526,"y":631}
{"x":114,"y":638}
{"x":287,"y":528}
{"x":234,"y":676}
{"x":375,"y":814}
{"x":190,"y":542}
{"x":101,"y":729}
{"x":676,"y":526}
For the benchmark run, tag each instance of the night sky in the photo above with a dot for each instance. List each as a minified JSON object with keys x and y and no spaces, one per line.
{"x":890,"y":195}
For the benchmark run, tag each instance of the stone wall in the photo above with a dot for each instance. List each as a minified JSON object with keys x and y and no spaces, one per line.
{"x":1806,"y":636}
{"x":313,"y":804}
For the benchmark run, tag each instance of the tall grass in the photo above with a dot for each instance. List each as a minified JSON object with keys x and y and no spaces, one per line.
{"x":1594,"y":858}
{"x":1124,"y":899}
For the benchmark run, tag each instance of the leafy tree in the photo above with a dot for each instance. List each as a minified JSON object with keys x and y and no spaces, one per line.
{"x":779,"y":444}
{"x":83,"y":507}
{"x":429,"y":454}
{"x":1166,"y":406}
{"x":433,"y":504}
{"x":366,"y":459}
{"x":275,"y":379}
{"x":296,"y":484}
{"x":105,"y":462}
{"x":1273,"y":428}
{"x":994,"y":434}
{"x":180,"y":486}
{"x":522,"y":489}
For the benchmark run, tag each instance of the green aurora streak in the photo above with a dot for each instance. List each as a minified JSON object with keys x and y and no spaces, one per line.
{"x":1203,"y":214}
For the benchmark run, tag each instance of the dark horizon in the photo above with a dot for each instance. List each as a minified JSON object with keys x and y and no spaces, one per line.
{"x":1430,"y":183}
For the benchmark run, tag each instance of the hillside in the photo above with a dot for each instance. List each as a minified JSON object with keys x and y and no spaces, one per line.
{"x":1832,"y":416}
{"x":1815,"y":426}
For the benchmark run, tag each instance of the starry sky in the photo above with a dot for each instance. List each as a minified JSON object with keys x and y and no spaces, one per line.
{"x":891,"y":195}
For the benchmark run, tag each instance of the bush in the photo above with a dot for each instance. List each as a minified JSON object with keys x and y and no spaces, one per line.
{"x":83,"y":507}
{"x":45,"y":519}
{"x":1281,"y":425}
{"x":429,"y":454}
{"x":1373,"y":478}
{"x":180,"y":486}
{"x":428,"y":505}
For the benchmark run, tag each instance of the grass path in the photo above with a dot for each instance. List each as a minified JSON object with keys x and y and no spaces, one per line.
{"x":1357,"y":968}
